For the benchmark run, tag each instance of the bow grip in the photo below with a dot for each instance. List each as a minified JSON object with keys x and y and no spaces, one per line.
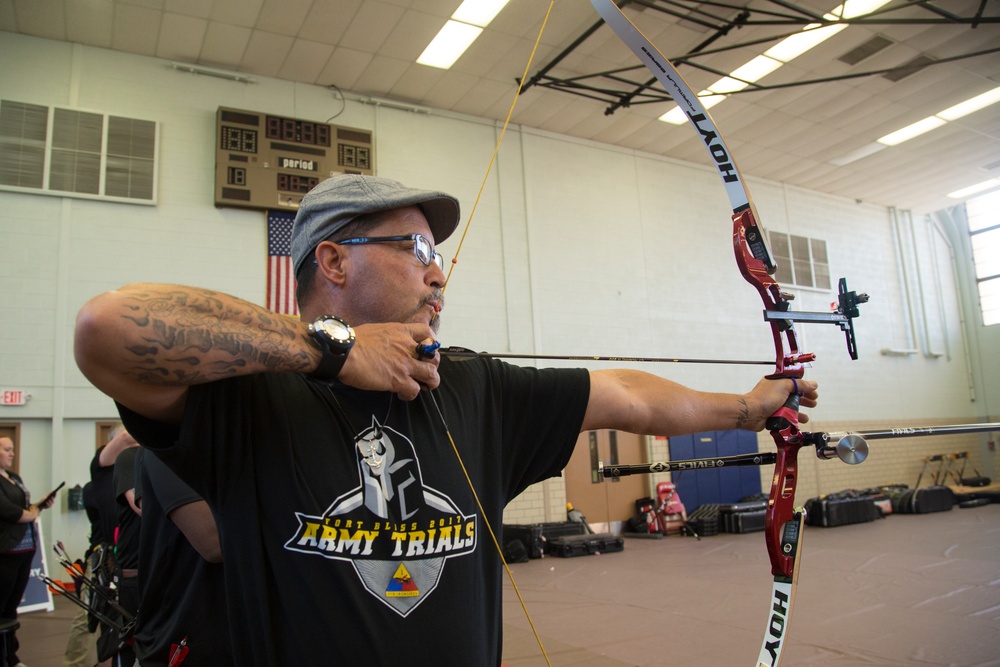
{"x":787,"y":416}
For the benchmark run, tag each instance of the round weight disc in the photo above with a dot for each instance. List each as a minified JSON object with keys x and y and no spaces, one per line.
{"x":852,"y":449}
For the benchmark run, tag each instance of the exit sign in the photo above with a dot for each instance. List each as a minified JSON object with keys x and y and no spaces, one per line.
{"x":13,"y":397}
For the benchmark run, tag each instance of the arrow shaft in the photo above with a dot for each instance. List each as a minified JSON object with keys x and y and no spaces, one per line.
{"x":461,"y":353}
{"x":611,"y":471}
{"x":917,"y":431}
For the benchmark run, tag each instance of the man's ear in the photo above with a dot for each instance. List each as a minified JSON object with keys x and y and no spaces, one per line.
{"x":331,"y":260}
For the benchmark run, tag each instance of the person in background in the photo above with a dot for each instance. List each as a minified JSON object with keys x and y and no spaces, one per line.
{"x":182,"y":597}
{"x":18,"y":541}
{"x":102,"y":474}
{"x":81,"y":637}
{"x":127,"y":547}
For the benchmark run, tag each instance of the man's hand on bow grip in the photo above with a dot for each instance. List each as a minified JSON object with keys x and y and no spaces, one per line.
{"x":770,"y":395}
{"x":384,"y":358}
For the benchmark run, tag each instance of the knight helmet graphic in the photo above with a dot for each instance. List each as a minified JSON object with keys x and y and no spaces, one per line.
{"x":390,"y":475}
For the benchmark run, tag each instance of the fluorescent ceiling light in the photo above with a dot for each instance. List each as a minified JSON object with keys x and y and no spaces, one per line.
{"x":743,"y":76}
{"x":858,"y":153}
{"x":926,"y":125}
{"x":479,"y":12}
{"x":970,"y":105}
{"x":853,"y":8}
{"x":975,"y":189}
{"x":795,"y":45}
{"x":814,"y":34}
{"x":676,"y":116}
{"x":756,"y":69}
{"x":784,"y":51}
{"x":912,"y":130}
{"x":446,"y":47}
{"x":727,"y":84}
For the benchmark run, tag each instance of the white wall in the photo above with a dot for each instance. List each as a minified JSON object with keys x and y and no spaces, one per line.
{"x":575,"y":248}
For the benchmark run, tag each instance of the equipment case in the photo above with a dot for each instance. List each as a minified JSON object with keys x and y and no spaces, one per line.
{"x":537,"y":537}
{"x":748,"y":517}
{"x":841,"y":509}
{"x":584,"y":545}
{"x":921,"y":501}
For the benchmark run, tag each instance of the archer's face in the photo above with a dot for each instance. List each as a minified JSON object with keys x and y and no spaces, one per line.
{"x":387,"y":282}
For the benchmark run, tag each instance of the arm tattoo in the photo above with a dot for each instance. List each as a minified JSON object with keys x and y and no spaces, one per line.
{"x":744,"y":414}
{"x":186,"y":337}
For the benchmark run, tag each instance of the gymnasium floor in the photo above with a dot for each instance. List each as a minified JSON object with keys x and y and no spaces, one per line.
{"x":908,"y":590}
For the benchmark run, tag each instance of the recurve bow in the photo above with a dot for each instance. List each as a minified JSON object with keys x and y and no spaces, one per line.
{"x":783,"y":525}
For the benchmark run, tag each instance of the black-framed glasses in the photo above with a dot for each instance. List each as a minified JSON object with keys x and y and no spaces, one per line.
{"x":422,"y":247}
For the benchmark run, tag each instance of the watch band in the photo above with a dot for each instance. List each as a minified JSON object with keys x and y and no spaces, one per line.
{"x":330,"y":364}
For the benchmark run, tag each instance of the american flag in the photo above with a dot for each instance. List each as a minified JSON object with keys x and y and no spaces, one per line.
{"x":280,"y":274}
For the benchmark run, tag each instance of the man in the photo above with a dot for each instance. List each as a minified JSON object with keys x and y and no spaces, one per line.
{"x":351,"y":535}
{"x":127,"y":547}
{"x":182,"y":597}
{"x":102,"y":510}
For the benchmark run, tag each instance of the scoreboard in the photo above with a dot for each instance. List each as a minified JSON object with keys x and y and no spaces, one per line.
{"x":269,"y":162}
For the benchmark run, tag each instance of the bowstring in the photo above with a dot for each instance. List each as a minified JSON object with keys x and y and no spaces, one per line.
{"x":496,"y":149}
{"x":454,"y":262}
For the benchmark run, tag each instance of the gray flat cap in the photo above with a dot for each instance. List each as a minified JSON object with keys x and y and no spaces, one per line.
{"x":338,"y":200}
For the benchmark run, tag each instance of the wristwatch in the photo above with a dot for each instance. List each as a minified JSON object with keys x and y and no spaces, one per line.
{"x":335,"y":339}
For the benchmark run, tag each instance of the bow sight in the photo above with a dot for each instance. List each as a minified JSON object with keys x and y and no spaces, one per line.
{"x":843,"y":315}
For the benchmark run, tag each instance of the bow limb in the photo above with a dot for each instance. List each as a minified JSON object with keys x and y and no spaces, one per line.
{"x":783,"y":523}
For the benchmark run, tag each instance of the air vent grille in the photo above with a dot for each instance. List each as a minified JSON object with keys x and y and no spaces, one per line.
{"x":866,"y":50}
{"x":906,"y":69}
{"x":72,"y":153}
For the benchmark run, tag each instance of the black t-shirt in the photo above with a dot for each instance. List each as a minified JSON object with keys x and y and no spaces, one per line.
{"x":93,"y":515}
{"x":103,"y":482}
{"x":368,"y":553}
{"x":127,"y":542}
{"x":14,"y":499}
{"x":181,"y":594}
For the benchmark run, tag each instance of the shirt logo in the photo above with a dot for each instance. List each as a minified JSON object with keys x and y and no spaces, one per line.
{"x":396,"y":532}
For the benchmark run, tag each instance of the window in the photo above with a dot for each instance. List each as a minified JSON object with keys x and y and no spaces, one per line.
{"x":983,"y":214}
{"x":801,"y":261}
{"x":71,"y":153}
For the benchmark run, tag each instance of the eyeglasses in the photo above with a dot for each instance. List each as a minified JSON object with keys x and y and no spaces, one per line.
{"x":422,"y":247}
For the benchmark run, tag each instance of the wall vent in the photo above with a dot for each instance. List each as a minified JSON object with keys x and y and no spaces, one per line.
{"x":72,"y":153}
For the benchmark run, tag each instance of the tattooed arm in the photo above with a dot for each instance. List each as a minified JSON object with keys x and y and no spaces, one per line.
{"x":643,"y":403}
{"x":145,"y":344}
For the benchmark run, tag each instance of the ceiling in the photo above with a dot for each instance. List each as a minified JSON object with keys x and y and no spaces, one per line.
{"x":787,"y":131}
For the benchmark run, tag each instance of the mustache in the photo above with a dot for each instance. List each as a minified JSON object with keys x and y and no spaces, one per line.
{"x":437,"y":295}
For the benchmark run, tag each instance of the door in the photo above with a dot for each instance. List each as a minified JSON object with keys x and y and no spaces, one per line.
{"x":605,"y":501}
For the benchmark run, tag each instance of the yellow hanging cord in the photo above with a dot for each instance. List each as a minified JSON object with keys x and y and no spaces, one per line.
{"x":454,"y":261}
{"x":489,"y":167}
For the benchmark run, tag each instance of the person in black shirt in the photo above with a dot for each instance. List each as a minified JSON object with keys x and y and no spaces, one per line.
{"x":18,"y":541}
{"x":182,"y":595}
{"x":127,"y":545}
{"x":102,"y":536}
{"x":324,"y":445}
